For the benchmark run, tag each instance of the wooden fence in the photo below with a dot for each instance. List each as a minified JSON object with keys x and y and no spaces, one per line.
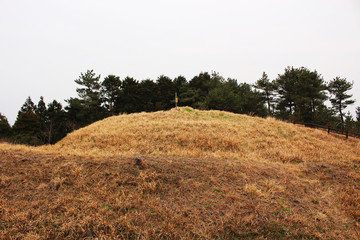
{"x":347,"y":133}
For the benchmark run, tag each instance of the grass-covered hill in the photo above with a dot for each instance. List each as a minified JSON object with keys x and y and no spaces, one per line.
{"x":199,"y":175}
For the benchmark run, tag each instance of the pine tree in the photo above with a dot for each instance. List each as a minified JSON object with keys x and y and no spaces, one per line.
{"x":128,"y":100}
{"x":110,"y":90}
{"x":166,"y":93}
{"x":148,"y":92}
{"x":358,"y":118}
{"x":57,"y":124}
{"x":91,"y":86}
{"x":267,"y":89}
{"x":27,"y":127}
{"x":5,"y":129}
{"x":86,"y":109}
{"x":41,"y":112}
{"x":338,"y":88}
{"x":301,"y":94}
{"x":224,"y":97}
{"x":28,"y":106}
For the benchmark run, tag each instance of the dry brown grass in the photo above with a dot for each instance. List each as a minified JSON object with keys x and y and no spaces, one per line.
{"x":192,"y":133}
{"x":204,"y":175}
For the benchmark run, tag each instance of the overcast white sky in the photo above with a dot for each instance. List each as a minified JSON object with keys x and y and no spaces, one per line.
{"x":45,"y":45}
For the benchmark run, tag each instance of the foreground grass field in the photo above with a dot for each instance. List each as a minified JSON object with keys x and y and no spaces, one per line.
{"x":201,"y":175}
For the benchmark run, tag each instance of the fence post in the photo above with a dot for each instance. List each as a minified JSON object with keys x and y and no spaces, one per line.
{"x":347,"y":134}
{"x":328,"y":129}
{"x":176,"y":100}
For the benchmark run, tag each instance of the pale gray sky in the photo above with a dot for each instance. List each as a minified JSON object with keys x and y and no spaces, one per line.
{"x":45,"y":45}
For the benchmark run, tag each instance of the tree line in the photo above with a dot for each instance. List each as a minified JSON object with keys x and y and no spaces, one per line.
{"x":296,"y":95}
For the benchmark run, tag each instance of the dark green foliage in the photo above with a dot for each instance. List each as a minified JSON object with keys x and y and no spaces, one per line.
{"x":41,"y":112}
{"x":251,"y":102}
{"x":296,"y":95}
{"x":88,"y":108}
{"x":148,"y":92}
{"x":349,"y":123}
{"x":36,"y":125}
{"x":27,"y":127}
{"x":128,"y":99}
{"x":326,"y":117}
{"x":28,"y":106}
{"x":41,"y":108}
{"x":338,"y":88}
{"x":91,"y":86}
{"x":301,"y":93}
{"x":199,"y":88}
{"x":188,"y":97}
{"x":5,"y":129}
{"x":238,"y":98}
{"x":110,"y":90}
{"x":180,"y":84}
{"x":166,"y":93}
{"x":57,"y":127}
{"x":224,"y":97}
{"x":181,"y":87}
{"x":267,"y":89}
{"x":75,"y":113}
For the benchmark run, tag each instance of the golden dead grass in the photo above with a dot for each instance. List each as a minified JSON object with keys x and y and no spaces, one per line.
{"x":203,"y":175}
{"x":193,"y":133}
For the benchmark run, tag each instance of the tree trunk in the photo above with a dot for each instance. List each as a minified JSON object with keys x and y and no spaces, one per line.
{"x":341,"y":114}
{"x":268,"y":101}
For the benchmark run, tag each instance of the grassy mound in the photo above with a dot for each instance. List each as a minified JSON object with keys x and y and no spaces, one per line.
{"x":192,"y":133}
{"x":202,"y":175}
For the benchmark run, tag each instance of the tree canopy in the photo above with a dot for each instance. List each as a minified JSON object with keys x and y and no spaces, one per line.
{"x":298,"y":94}
{"x":338,"y":88}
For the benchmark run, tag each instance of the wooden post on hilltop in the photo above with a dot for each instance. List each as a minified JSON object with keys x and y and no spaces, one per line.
{"x":176,"y":100}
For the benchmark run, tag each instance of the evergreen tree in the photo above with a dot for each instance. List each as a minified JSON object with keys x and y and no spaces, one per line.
{"x":285,"y":85}
{"x":5,"y":129}
{"x":27,"y":127}
{"x":189,"y":96}
{"x":91,"y":86}
{"x":41,"y":108}
{"x":338,"y":88}
{"x":110,"y":90}
{"x":267,"y":89}
{"x":223,"y":97}
{"x":56,"y":124}
{"x":28,"y":106}
{"x":148,"y":92}
{"x":41,"y":112}
{"x":250,"y":102}
{"x":325,"y":116}
{"x":166,"y":93}
{"x":180,"y":84}
{"x":88,"y":108}
{"x":200,"y":86}
{"x":349,"y":122}
{"x":301,"y":93}
{"x":76,"y":113}
{"x":128,"y":99}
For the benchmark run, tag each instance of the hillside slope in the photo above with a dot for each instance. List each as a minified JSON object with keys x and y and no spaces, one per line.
{"x":193,"y":133}
{"x":201,"y":175}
